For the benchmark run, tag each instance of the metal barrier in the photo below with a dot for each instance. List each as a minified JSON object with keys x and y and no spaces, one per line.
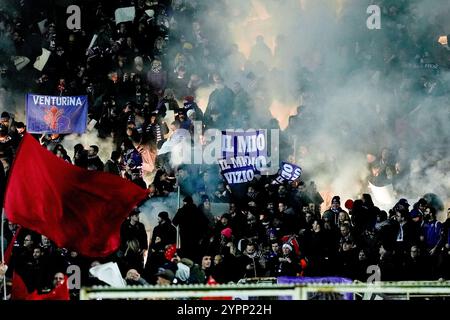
{"x":381,"y":290}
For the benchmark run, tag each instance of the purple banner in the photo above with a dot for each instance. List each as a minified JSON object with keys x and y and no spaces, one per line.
{"x":55,"y":114}
{"x":288,"y":172}
{"x":251,"y":143}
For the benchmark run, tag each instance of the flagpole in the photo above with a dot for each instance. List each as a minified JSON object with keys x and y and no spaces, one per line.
{"x":2,"y":240}
{"x":178,"y":208}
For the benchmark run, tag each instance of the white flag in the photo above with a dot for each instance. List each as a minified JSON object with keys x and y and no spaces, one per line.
{"x":175,"y":140}
{"x":110,"y":274}
{"x":42,"y":27}
{"x":383,"y":196}
{"x":20,"y":62}
{"x":41,"y":61}
{"x":125,"y":14}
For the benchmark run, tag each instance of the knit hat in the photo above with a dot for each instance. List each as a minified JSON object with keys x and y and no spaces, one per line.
{"x":286,"y":245}
{"x":20,"y":125}
{"x":166,"y":274}
{"x":164,"y":215}
{"x":336,"y":200}
{"x":349,"y":204}
{"x":189,"y":98}
{"x":170,"y":252}
{"x":188,"y":199}
{"x":227,"y":233}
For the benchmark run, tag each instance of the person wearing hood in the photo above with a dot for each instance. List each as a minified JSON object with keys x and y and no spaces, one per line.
{"x":193,"y":226}
{"x":164,"y":233}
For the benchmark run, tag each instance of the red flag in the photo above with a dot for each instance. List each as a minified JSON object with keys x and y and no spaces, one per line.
{"x":60,"y":292}
{"x":77,"y":209}
{"x":8,"y":251}
{"x":20,"y":292}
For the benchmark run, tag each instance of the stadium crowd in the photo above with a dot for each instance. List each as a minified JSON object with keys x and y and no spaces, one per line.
{"x":138,"y":71}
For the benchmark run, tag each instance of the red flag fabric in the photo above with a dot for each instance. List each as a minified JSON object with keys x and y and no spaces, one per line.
{"x":8,"y":251}
{"x":60,"y":292}
{"x":78,"y":209}
{"x":20,"y":292}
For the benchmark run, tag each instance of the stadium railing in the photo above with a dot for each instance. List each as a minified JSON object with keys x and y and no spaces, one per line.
{"x":266,"y":290}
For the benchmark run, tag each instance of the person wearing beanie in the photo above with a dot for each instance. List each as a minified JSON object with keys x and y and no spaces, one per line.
{"x":333,"y":212}
{"x":227,"y":233}
{"x":165,"y":277}
{"x":336,"y":200}
{"x":349,"y":204}
{"x":164,"y":233}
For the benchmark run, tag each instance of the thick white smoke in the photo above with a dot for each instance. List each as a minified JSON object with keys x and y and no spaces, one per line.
{"x":318,"y":56}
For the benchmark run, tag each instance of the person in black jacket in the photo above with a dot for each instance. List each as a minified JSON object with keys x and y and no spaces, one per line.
{"x":112,"y":165}
{"x":407,"y":233}
{"x":289,"y":264}
{"x":6,"y":145}
{"x":164,"y":233}
{"x":193,"y":226}
{"x":93,"y":161}
{"x":132,"y":229}
{"x":80,"y":157}
{"x":416,"y":267}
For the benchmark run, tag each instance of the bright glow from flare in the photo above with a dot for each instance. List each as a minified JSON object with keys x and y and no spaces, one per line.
{"x":258,"y":23}
{"x":282,"y":112}
{"x":202,"y":97}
